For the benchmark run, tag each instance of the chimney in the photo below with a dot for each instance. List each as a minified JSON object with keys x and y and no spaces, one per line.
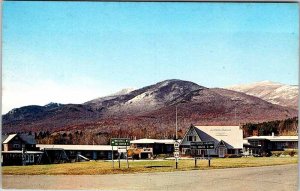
{"x":272,"y":134}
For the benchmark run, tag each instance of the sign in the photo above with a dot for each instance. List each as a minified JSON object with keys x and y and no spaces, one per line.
{"x":203,"y":158}
{"x":120,"y":142}
{"x":176,"y":154}
{"x":176,"y":146}
{"x":203,"y":145}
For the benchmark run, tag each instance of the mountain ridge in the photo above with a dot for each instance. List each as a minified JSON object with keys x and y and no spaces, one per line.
{"x":273,"y":92}
{"x":151,"y":107}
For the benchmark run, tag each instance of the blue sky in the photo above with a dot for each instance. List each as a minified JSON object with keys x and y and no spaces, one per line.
{"x":71,"y":52}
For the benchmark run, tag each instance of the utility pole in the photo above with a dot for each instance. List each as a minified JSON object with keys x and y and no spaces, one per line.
{"x":183,"y":101}
{"x":235,"y":115}
{"x":176,"y":137}
{"x":23,"y":155}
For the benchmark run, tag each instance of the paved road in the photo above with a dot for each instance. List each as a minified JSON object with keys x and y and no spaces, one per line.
{"x":273,"y":178}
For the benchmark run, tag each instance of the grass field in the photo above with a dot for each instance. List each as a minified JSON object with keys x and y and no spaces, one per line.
{"x":103,"y":167}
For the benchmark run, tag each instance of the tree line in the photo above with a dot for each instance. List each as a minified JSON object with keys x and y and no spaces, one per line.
{"x":279,"y":127}
{"x":103,"y":134}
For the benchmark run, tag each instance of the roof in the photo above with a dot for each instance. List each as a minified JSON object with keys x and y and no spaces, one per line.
{"x":19,"y":152}
{"x":273,"y":138}
{"x":9,"y":138}
{"x":4,"y":137}
{"x":28,"y":139}
{"x":152,"y":141}
{"x":78,"y":147}
{"x":232,"y":136}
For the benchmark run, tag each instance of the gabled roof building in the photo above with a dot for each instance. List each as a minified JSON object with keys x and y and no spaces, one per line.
{"x":18,"y":141}
{"x":226,"y":139}
{"x":19,"y":149}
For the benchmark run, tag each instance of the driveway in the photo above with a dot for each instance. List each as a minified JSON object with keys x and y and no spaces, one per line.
{"x":282,"y":177}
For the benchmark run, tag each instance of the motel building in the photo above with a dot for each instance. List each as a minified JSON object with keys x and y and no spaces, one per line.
{"x":260,"y":145}
{"x":227,"y":140}
{"x":55,"y":153}
{"x":149,"y":148}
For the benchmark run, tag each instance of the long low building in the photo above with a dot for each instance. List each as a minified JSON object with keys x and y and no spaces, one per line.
{"x":264,"y":144}
{"x":148,"y":148}
{"x":94,"y":152}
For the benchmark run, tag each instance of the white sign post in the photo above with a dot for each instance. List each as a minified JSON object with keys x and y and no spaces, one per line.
{"x":176,"y":152}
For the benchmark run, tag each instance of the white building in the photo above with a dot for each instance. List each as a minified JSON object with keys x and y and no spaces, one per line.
{"x":227,"y":140}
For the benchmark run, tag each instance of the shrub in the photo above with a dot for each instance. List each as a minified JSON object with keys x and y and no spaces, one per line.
{"x":277,"y":153}
{"x":292,"y":153}
{"x":162,"y":156}
{"x":266,"y":154}
{"x":232,"y":156}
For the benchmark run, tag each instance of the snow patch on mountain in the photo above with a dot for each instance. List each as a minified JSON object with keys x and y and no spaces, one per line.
{"x":276,"y":93}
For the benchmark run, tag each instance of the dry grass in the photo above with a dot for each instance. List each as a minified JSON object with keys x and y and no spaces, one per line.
{"x":104,"y":167}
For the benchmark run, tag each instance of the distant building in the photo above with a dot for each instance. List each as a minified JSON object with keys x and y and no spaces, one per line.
{"x":227,"y":140}
{"x":76,"y":152}
{"x":264,"y":144}
{"x":148,"y":148}
{"x":18,"y":149}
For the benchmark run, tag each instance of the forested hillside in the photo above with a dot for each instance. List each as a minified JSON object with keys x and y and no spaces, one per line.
{"x":279,"y":127}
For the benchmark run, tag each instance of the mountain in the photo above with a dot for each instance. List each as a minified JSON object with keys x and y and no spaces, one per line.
{"x":143,"y":100}
{"x":218,"y":106}
{"x":276,"y":93}
{"x":123,"y":91}
{"x":147,"y":112}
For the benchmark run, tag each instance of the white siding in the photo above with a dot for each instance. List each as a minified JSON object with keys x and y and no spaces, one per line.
{"x":231,"y":135}
{"x":191,"y":132}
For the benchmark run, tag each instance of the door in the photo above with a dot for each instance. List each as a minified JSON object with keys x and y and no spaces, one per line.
{"x":221,"y":152}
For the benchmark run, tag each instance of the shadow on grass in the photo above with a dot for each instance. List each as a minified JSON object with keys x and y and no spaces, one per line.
{"x":158,"y":166}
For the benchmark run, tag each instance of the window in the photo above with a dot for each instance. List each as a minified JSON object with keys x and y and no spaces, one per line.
{"x":191,"y":138}
{"x":254,"y":143}
{"x":16,"y":146}
{"x":186,"y":151}
{"x":27,"y":158}
{"x":31,"y":158}
{"x":169,"y":148}
{"x":232,"y":151}
{"x":280,"y":145}
{"x":294,"y":144}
